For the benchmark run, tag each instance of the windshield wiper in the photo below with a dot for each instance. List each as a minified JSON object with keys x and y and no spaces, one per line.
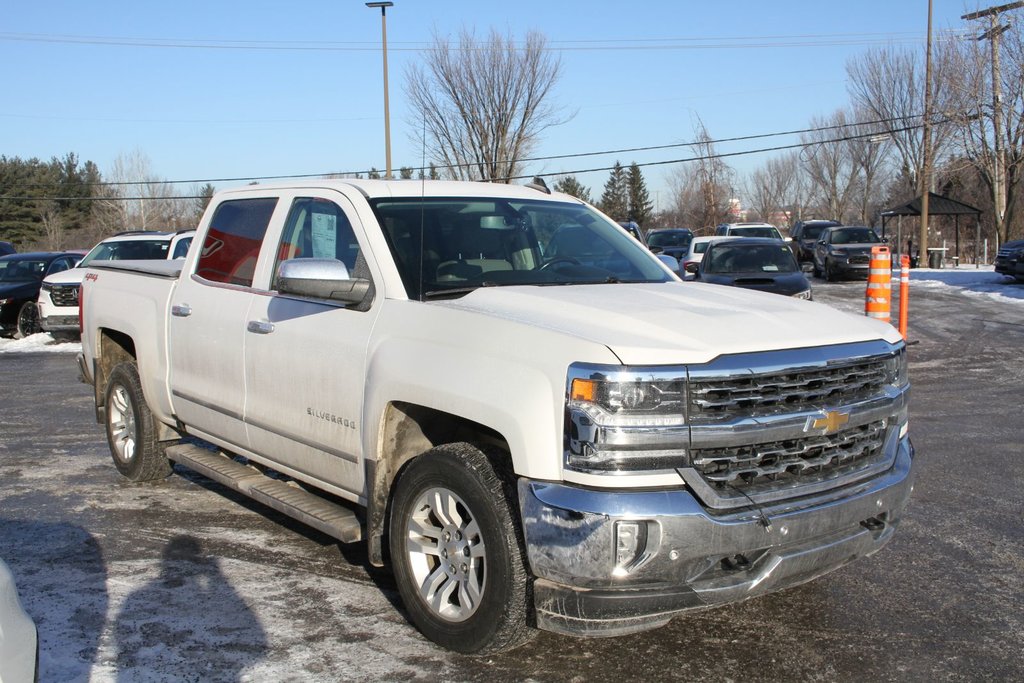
{"x":455,"y":291}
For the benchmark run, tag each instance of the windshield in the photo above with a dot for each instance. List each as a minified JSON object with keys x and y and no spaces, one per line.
{"x":23,"y":270}
{"x":143,"y":250}
{"x":669,"y":239}
{"x":813,"y":232}
{"x":764,"y":231}
{"x":736,"y":257}
{"x":854,"y":236}
{"x":450,"y":246}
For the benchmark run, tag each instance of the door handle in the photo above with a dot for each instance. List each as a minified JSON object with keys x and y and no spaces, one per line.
{"x":260,"y":327}
{"x":181,"y":311}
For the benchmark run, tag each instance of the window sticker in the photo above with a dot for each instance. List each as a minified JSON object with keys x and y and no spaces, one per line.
{"x":325,"y":235}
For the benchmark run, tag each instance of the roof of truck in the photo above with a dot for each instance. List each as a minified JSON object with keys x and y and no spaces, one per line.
{"x":373,"y":189}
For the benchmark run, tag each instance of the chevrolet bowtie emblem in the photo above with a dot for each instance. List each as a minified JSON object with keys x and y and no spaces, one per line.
{"x":832,"y":421}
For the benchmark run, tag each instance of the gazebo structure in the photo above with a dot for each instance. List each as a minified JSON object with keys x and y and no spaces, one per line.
{"x":937,"y":206}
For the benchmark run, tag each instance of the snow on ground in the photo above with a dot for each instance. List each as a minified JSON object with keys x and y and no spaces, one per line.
{"x":971,"y":281}
{"x":38,"y":343}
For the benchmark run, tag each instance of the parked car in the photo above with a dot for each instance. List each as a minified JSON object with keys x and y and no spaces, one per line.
{"x":1010,"y":260}
{"x":698,"y":245}
{"x":21,"y":276}
{"x":804,"y":234}
{"x":19,"y":642}
{"x":766,"y":265}
{"x":670,"y":241}
{"x":844,"y":251}
{"x":748,"y":230}
{"x":7,"y":248}
{"x":633,"y":229}
{"x":58,"y":297}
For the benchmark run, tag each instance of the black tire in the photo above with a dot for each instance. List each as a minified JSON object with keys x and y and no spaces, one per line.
{"x":816,"y":269}
{"x":131,"y":429}
{"x":830,"y":274}
{"x":28,"y":320}
{"x":476,"y":583}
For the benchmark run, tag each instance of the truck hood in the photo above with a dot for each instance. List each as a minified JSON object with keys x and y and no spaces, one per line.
{"x":675,"y":322}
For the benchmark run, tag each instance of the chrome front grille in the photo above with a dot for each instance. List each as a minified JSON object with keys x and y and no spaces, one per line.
{"x":859,"y":259}
{"x":714,"y":399}
{"x":64,"y":295}
{"x":779,"y":462}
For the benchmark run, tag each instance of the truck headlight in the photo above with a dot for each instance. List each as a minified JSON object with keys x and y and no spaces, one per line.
{"x":46,"y":287}
{"x":806,"y":294}
{"x":896,"y":368}
{"x":621,"y":420}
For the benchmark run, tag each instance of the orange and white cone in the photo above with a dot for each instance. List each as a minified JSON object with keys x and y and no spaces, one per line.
{"x":878,"y":297}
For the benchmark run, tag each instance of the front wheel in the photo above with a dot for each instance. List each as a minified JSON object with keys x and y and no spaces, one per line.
{"x":28,"y":320}
{"x":131,"y":429}
{"x":457,"y":557}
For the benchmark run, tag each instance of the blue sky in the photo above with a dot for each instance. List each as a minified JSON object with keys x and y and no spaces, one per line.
{"x":290,"y":88}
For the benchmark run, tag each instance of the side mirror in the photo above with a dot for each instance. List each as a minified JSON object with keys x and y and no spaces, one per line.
{"x":692,"y":268}
{"x":320,"y":278}
{"x":670,"y":262}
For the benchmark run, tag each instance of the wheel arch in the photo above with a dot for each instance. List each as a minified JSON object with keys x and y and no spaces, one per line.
{"x":407,"y":431}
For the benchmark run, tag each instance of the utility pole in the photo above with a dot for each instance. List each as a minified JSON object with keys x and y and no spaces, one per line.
{"x":387,"y":111}
{"x":926,"y":142}
{"x":999,"y":162}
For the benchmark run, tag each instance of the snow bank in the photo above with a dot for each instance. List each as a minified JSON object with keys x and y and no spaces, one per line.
{"x":38,"y":343}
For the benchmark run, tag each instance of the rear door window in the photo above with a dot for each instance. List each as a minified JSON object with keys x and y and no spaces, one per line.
{"x":233,"y":241}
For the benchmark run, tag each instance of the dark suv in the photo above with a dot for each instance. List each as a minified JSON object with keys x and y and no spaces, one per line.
{"x":674,"y":242}
{"x":844,"y":251}
{"x":7,"y":248}
{"x":804,"y":234}
{"x":1010,"y":260}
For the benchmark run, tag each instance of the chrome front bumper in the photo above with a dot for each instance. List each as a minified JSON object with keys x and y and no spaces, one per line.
{"x":689,"y":558}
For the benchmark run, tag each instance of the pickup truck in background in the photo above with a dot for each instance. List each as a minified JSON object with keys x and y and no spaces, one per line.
{"x":58,"y":297}
{"x":539,"y":422}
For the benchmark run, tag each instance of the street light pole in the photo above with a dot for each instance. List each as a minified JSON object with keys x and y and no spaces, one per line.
{"x":387,"y":113}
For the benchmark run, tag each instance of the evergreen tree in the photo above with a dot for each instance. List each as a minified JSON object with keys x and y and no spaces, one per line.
{"x":405,"y":173}
{"x":640,"y":206}
{"x":569,"y":185}
{"x":374,"y":174}
{"x":615,"y":198}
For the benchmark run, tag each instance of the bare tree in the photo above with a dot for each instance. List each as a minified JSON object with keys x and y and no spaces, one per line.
{"x":887,"y":85}
{"x":975,"y":129}
{"x":139,"y":200}
{"x":827,"y":161}
{"x":482,"y":104}
{"x":701,"y":189}
{"x":53,"y":223}
{"x":770,"y":187}
{"x":870,"y":149}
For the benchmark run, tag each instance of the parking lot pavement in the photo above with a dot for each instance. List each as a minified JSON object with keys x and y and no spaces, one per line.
{"x":183,"y":580}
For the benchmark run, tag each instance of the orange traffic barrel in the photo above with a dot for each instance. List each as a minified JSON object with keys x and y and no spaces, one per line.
{"x":878,"y":297}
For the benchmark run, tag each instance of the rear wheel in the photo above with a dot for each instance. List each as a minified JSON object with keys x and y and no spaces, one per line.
{"x":131,"y":429}
{"x":28,"y":320}
{"x":456,"y":553}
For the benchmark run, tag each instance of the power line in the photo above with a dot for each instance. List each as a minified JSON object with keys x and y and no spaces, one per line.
{"x":720,"y":155}
{"x":553,"y":157}
{"x":642,"y":44}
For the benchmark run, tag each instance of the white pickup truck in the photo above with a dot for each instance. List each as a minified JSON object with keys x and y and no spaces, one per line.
{"x":539,"y":422}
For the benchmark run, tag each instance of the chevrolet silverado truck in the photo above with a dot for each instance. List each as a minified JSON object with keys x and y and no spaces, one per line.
{"x":508,"y":399}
